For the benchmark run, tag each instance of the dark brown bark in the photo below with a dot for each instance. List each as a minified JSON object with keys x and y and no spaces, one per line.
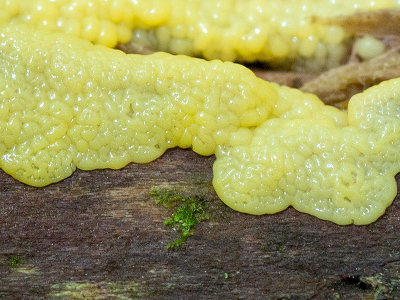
{"x":100,"y":235}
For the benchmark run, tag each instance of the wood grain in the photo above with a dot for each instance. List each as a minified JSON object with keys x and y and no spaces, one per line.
{"x":99,"y":235}
{"x":341,"y":83}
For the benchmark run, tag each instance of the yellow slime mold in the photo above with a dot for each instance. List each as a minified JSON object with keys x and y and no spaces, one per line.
{"x":65,"y":103}
{"x":274,"y":31}
{"x":336,"y":166}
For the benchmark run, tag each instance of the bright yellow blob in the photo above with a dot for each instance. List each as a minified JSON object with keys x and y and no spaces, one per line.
{"x":65,"y":103}
{"x":334,"y":165}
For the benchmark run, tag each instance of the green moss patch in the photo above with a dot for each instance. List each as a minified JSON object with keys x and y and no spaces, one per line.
{"x":188,"y":212}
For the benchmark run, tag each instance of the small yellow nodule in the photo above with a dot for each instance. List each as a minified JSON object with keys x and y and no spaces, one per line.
{"x":368,"y":47}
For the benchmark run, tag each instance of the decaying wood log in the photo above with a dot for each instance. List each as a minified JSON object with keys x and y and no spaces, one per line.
{"x":99,"y":235}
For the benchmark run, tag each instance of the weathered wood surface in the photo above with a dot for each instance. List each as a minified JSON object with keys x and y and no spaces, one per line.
{"x":99,"y":235}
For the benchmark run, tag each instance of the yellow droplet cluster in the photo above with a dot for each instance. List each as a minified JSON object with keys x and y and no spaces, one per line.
{"x":285,"y":33}
{"x":65,"y":103}
{"x":282,"y":33}
{"x":105,"y":22}
{"x":334,"y":165}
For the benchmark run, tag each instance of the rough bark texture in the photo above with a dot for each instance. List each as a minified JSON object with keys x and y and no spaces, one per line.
{"x":99,"y":235}
{"x":341,"y":83}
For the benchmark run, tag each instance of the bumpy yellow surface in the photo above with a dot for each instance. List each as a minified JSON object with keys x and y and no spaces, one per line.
{"x":279,"y":32}
{"x":275,"y":31}
{"x":330,"y":164}
{"x":65,"y":103}
{"x":104,"y":22}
